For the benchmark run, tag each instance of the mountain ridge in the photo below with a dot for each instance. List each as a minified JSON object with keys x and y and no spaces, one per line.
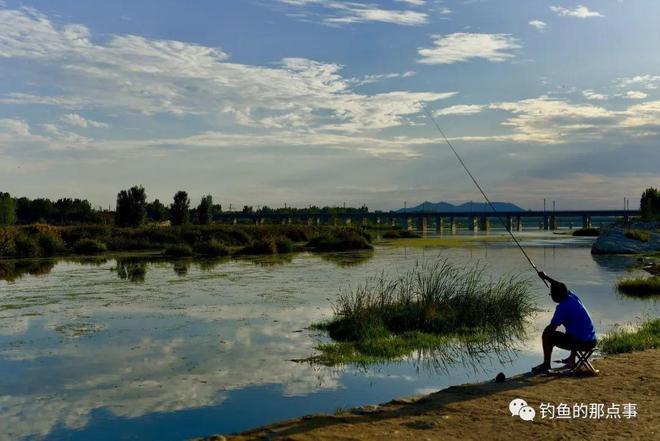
{"x":447,"y":207}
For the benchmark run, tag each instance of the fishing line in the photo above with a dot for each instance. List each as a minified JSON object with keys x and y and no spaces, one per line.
{"x":483,"y":193}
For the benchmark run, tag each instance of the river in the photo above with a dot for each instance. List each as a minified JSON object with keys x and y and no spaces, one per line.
{"x":144,"y":349}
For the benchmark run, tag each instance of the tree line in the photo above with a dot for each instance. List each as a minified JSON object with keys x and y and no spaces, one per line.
{"x":132,"y":210}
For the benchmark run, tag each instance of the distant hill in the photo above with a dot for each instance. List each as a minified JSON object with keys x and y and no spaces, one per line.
{"x":446,"y":207}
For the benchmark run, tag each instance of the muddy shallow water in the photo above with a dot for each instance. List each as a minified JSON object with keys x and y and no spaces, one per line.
{"x":142,"y":349}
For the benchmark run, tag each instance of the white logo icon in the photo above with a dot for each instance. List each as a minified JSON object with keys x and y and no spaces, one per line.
{"x":527,"y":413}
{"x":515,"y":406}
{"x":519,"y":407}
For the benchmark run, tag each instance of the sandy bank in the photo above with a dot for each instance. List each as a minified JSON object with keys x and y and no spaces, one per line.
{"x":481,"y":411}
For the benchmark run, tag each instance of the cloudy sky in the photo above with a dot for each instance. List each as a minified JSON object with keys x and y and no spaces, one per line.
{"x":322,"y":101}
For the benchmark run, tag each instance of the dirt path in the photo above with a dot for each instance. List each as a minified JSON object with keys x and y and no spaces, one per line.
{"x":481,"y":411}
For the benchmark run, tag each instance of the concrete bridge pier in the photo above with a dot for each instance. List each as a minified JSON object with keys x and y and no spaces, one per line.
{"x":234,"y":221}
{"x":452,"y":225}
{"x":586,"y":221}
{"x":546,"y":223}
{"x":553,"y":222}
{"x":439,"y":224}
{"x":422,"y":224}
{"x":392,"y":222}
{"x":409,"y":223}
{"x":474,"y":224}
{"x":484,"y":224}
{"x":348,"y":221}
{"x":518,"y":223}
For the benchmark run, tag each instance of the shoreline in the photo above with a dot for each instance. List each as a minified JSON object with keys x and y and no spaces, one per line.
{"x":479,"y":411}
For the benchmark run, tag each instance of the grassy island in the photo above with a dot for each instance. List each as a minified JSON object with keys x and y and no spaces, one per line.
{"x":430,"y":306}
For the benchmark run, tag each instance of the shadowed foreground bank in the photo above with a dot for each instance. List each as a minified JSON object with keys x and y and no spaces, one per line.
{"x":480,"y":411}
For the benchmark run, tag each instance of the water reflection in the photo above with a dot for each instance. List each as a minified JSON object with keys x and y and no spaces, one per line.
{"x":131,"y":269}
{"x":12,"y":270}
{"x":349,"y":258}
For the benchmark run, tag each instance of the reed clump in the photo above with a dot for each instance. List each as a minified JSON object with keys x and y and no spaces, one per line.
{"x":619,"y":340}
{"x":644,"y":286}
{"x":430,"y":305}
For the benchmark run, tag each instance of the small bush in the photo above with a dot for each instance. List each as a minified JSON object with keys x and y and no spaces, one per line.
{"x":340,"y":240}
{"x":620,"y":341}
{"x":639,"y":286}
{"x":586,"y":232}
{"x":392,"y":234}
{"x":89,"y":246}
{"x":26,"y":247}
{"x":179,"y":250}
{"x":284,"y":245}
{"x":50,"y":244}
{"x":212,"y":248}
{"x":640,"y":235}
{"x":263,"y":246}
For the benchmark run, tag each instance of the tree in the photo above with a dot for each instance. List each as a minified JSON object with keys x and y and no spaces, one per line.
{"x":157,"y":212}
{"x":179,"y":214}
{"x":7,"y":209}
{"x":131,"y":207}
{"x":650,"y":203}
{"x":205,"y":210}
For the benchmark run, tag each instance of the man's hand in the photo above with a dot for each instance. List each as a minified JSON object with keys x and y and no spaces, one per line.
{"x":542,"y":275}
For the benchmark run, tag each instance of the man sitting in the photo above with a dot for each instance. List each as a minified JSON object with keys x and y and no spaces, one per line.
{"x":571,"y":313}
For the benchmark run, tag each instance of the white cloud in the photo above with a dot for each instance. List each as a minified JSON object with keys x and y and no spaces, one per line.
{"x":368,"y":79}
{"x":337,"y":12}
{"x":460,"y":109}
{"x":636,"y":95}
{"x":594,"y":96}
{"x":646,"y":81}
{"x":538,"y":24}
{"x":413,"y":2}
{"x":454,"y":48}
{"x":131,"y":74}
{"x":577,"y":12}
{"x":74,"y":119}
{"x":545,"y":120}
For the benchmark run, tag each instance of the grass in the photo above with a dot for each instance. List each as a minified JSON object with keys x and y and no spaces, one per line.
{"x":639,"y":235}
{"x":644,"y":286}
{"x":647,"y":336}
{"x":398,"y":234}
{"x":430,"y":306}
{"x":586,"y":232}
{"x":340,"y":240}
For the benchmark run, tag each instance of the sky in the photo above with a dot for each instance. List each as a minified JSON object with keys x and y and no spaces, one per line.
{"x":300,"y":102}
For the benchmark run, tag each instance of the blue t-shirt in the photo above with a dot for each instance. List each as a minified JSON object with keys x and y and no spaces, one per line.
{"x":572,"y":314}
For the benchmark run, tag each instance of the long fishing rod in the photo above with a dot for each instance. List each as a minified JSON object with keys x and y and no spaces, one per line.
{"x":483,"y":193}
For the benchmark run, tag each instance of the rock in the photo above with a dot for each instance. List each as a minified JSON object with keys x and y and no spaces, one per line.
{"x":500,"y":378}
{"x":367,"y":410}
{"x":614,"y":241}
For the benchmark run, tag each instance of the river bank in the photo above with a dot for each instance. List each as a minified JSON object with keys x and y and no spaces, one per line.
{"x":481,"y":411}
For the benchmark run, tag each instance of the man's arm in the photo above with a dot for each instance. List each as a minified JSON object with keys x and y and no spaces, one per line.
{"x":544,"y":276}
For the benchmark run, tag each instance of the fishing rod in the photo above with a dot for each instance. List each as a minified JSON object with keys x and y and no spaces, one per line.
{"x":483,"y":193}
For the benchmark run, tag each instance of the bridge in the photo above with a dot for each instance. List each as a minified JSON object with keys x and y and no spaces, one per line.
{"x":439,"y":221}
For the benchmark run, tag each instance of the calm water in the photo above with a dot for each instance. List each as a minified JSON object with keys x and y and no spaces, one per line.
{"x":132,"y":349}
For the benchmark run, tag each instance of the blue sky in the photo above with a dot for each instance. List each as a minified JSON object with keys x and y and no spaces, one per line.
{"x":322,"y":102}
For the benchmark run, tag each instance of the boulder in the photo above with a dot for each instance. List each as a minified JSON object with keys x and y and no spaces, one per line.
{"x":613,"y":240}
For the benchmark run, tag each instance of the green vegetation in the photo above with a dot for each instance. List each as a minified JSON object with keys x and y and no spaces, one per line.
{"x":180,"y":208}
{"x":650,"y":204}
{"x":640,"y":235}
{"x":7,"y":209}
{"x":586,"y":232}
{"x":179,"y":250}
{"x":639,"y":286}
{"x":212,"y":248}
{"x":89,"y":246}
{"x":647,"y":336}
{"x":341,"y":240}
{"x":131,"y":207}
{"x":398,"y":234}
{"x":430,"y":306}
{"x":213,"y":240}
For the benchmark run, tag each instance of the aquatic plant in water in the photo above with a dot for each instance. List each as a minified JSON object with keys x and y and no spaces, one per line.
{"x":436,"y":305}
